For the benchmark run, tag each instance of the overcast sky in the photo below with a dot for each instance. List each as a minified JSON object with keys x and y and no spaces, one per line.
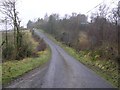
{"x":32,"y":9}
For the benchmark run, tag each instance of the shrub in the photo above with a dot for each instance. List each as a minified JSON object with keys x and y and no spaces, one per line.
{"x":41,"y":46}
{"x":7,"y":52}
{"x":26,"y":48}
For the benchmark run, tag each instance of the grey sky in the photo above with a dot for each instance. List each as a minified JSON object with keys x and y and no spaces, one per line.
{"x":32,"y":9}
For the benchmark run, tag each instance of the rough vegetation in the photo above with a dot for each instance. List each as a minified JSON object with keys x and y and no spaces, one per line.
{"x":26,"y":49}
{"x":12,"y":68}
{"x":104,"y":67}
{"x":13,"y":44}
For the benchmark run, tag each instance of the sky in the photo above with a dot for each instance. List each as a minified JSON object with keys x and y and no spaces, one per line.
{"x":33,"y":9}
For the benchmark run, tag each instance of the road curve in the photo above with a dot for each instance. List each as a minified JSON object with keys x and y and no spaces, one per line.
{"x":63,"y":71}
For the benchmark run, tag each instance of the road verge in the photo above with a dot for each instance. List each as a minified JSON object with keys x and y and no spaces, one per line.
{"x":12,"y":69}
{"x":105,"y":69}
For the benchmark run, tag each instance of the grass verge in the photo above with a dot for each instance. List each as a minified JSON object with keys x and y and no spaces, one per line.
{"x":106,"y":69}
{"x":14,"y":68}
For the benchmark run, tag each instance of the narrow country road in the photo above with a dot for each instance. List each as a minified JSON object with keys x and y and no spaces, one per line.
{"x":63,"y":71}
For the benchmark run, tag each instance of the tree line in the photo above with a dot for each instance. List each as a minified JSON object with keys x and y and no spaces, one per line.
{"x":101,"y":33}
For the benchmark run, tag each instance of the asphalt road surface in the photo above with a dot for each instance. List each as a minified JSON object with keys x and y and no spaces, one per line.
{"x":62,"y":71}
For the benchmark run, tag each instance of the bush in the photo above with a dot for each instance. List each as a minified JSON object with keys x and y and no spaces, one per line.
{"x":41,"y":46}
{"x":7,"y":52}
{"x":26,"y":48}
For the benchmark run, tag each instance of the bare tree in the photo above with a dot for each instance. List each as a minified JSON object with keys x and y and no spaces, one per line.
{"x":8,"y":8}
{"x":6,"y":31}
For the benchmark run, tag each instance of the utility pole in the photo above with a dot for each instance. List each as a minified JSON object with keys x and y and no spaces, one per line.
{"x":19,"y":24}
{"x":118,"y":27}
{"x":6,"y":31}
{"x":1,"y":50}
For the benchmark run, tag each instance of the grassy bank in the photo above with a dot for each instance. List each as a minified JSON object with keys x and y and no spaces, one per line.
{"x":105,"y":68}
{"x":11,"y":69}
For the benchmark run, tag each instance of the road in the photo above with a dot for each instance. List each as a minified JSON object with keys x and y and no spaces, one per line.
{"x":62,"y":71}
